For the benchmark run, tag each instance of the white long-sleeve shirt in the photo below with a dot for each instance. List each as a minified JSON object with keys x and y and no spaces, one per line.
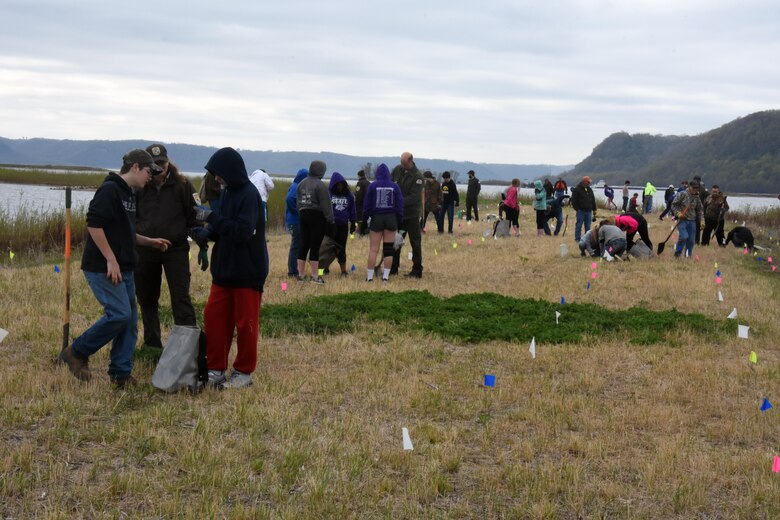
{"x":262,"y":182}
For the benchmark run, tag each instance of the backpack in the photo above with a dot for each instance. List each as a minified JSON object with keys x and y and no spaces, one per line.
{"x":182,"y":364}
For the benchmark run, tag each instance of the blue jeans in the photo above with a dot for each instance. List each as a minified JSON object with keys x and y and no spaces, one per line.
{"x":558,"y":220}
{"x":449,"y":209}
{"x":583,"y":218}
{"x":118,"y":323}
{"x":295,"y":245}
{"x":687,"y":231}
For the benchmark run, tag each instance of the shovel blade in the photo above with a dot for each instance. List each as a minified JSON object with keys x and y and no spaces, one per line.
{"x":661,"y":248}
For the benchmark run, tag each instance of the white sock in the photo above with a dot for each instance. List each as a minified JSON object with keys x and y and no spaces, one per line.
{"x":370,"y":275}
{"x":386,"y":274}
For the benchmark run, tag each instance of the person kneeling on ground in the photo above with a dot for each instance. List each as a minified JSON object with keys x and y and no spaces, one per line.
{"x":239,"y":267}
{"x":589,"y":243}
{"x":612,"y":240}
{"x":741,"y":237}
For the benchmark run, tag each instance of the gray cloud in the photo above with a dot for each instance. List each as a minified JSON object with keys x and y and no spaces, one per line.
{"x":501,"y":82}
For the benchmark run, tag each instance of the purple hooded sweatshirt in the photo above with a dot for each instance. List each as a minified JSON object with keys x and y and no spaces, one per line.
{"x":344,"y":204}
{"x":383,"y":196}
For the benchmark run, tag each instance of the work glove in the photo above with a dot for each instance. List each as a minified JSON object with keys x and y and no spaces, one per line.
{"x":203,"y":258}
{"x":202,"y":213}
{"x":352,"y":228}
{"x":199,"y":235}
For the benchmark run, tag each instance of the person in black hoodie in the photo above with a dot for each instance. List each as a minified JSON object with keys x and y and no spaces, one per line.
{"x":239,"y":267}
{"x":108,"y":262}
{"x":450,"y":199}
{"x":360,"y":193}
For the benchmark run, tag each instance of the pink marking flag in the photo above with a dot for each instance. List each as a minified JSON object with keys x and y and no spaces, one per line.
{"x":469,"y":242}
{"x":776,"y":464}
{"x":593,"y":275}
{"x":284,"y":286}
{"x":593,"y":265}
{"x":718,"y":280}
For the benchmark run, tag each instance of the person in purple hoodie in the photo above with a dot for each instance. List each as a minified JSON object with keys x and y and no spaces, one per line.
{"x":384,"y":205}
{"x":343,"y":214}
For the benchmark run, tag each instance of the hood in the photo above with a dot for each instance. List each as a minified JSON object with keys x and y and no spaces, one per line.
{"x":538,"y":185}
{"x":302,"y":173}
{"x":228,"y":164}
{"x":317,"y":169}
{"x":335,"y":179}
{"x":382,"y":172}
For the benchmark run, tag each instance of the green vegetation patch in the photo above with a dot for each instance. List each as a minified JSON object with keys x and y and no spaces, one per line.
{"x":474,"y":318}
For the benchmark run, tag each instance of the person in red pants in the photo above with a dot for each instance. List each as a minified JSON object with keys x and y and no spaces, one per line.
{"x":239,"y":267}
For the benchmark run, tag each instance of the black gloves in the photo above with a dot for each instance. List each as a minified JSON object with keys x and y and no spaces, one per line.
{"x":352,"y":228}
{"x":203,"y":258}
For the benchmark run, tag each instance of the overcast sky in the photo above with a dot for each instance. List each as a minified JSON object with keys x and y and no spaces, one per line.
{"x":493,"y":81}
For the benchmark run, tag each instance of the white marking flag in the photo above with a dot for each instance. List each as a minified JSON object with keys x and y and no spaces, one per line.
{"x":720,"y":296}
{"x":532,"y":348}
{"x":407,"y":440}
{"x":733,"y":314}
{"x":557,"y":315}
{"x":742,"y":332}
{"x":3,"y":334}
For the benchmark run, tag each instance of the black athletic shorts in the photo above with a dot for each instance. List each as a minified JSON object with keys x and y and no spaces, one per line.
{"x":383,"y":222}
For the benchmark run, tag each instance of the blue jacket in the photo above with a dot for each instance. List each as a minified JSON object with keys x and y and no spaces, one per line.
{"x":343,"y":205}
{"x":291,"y":213}
{"x":383,"y":196}
{"x":239,"y":258}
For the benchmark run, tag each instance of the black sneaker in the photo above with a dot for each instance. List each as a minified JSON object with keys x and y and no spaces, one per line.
{"x":77,"y":364}
{"x":413,"y":274}
{"x":318,"y":280}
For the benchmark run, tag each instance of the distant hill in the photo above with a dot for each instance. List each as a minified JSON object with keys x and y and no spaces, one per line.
{"x":741,"y":156}
{"x":192,"y":158}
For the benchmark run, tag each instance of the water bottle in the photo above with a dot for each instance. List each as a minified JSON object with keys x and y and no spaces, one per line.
{"x":564,"y":250}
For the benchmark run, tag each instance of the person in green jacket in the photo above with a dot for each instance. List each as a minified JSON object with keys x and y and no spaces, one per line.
{"x":540,"y":206}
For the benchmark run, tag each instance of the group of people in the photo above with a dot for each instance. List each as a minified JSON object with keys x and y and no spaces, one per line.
{"x":138,"y":224}
{"x":689,"y":205}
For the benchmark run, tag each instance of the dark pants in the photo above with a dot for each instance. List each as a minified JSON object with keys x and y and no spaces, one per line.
{"x":449,"y":210}
{"x":312,"y":233}
{"x":435,"y":214}
{"x":541,"y":221}
{"x":472,"y":204}
{"x":295,"y":245}
{"x":666,"y":210}
{"x":625,"y":204}
{"x":512,"y":215}
{"x":710,"y":225}
{"x":643,"y":234}
{"x":342,"y":232}
{"x":148,"y":278}
{"x":413,"y":237}
{"x":698,"y":231}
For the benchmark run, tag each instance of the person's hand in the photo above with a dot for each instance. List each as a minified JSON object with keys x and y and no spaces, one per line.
{"x":352,"y":228}
{"x":113,"y":272}
{"x":199,"y":235}
{"x":202,"y":213}
{"x":203,"y":258}
{"x":161,"y":244}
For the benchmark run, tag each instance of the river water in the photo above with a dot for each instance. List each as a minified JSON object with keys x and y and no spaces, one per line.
{"x":42,"y":199}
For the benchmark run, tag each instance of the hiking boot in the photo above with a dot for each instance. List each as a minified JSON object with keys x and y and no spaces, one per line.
{"x":77,"y":364}
{"x":344,"y":274}
{"x":318,"y":280}
{"x":123,"y":381}
{"x":239,"y":380}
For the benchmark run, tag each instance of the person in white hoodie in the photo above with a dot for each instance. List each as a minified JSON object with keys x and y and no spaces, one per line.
{"x":264,"y":184}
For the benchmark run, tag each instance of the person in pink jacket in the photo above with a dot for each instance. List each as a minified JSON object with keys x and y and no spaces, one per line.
{"x":626,"y":223}
{"x":511,"y":206}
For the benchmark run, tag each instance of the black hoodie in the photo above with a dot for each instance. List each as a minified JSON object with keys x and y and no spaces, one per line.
{"x":112,"y":209}
{"x":238,"y":230}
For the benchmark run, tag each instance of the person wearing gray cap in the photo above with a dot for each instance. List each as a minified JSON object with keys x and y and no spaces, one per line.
{"x":108,"y":262}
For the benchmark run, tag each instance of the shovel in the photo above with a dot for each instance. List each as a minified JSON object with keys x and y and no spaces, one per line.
{"x":662,"y":245}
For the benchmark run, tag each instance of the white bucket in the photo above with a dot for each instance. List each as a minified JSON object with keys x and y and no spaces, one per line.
{"x":564,"y":250}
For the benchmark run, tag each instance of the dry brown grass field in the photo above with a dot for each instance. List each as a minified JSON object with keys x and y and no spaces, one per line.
{"x":599,"y":429}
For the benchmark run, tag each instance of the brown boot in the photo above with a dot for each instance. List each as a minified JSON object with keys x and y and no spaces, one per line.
{"x":77,"y":364}
{"x":123,"y":381}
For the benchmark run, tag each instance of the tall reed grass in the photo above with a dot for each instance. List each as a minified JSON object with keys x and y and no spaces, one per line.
{"x":48,"y":178}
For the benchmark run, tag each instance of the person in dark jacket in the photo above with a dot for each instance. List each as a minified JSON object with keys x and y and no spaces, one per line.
{"x":556,"y":212}
{"x":549,"y":191}
{"x":166,"y":208}
{"x":668,"y":198}
{"x":344,"y":213}
{"x":316,"y":214}
{"x":239,"y":267}
{"x":410,"y":180}
{"x":109,"y":261}
{"x":384,"y":205}
{"x":293,"y":223}
{"x":472,"y":196}
{"x":740,"y":236}
{"x":449,"y":200}
{"x":584,"y":203}
{"x":432,"y":198}
{"x":715,"y":208}
{"x":360,"y":193}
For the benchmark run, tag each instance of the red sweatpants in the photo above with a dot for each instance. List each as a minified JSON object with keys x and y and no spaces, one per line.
{"x":227,"y":309}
